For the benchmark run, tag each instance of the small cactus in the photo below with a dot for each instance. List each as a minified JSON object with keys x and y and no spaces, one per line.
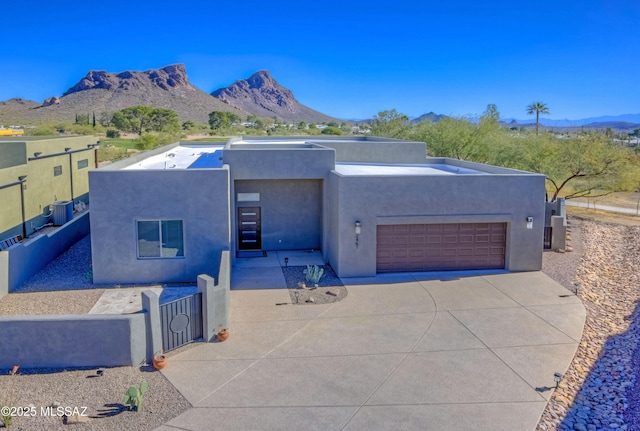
{"x":314,"y":273}
{"x":133,"y":396}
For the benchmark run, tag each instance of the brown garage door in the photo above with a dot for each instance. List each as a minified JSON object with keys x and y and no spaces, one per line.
{"x":435,"y":247}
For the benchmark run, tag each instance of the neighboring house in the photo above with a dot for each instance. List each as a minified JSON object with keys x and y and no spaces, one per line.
{"x":369,"y":204}
{"x":41,"y":178}
{"x":38,"y":174}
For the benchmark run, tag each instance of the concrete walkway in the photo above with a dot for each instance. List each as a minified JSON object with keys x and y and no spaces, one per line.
{"x":462,"y":354}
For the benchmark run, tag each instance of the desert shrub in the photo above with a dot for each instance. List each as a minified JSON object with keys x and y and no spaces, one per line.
{"x":113,"y":133}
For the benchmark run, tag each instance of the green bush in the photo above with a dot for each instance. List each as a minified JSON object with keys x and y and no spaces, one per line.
{"x":331,"y":130}
{"x":146,"y":142}
{"x":112,"y":133}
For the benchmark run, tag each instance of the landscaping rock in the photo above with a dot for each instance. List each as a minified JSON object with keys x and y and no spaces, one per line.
{"x":600,"y":390}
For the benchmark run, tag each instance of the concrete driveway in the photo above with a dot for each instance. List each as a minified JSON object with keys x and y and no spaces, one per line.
{"x":397,"y":353}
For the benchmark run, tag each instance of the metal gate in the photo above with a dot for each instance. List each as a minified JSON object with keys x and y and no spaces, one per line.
{"x":547,"y":238}
{"x":181,"y":321}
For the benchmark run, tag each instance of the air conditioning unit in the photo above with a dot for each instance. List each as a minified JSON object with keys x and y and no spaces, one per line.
{"x":62,"y":212}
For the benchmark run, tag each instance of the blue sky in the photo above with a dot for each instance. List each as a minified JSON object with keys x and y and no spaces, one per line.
{"x":349,"y":59}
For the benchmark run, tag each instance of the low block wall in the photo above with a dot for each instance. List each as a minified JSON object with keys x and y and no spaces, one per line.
{"x":72,"y":340}
{"x":21,"y":261}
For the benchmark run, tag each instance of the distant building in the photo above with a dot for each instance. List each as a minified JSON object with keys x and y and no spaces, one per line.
{"x":370,"y":205}
{"x":38,"y":173}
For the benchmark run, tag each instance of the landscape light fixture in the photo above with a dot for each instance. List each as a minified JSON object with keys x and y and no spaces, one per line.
{"x":297,"y":295}
{"x":358,"y":228}
{"x":557,"y":377}
{"x":529,"y":222}
{"x":286,"y":262}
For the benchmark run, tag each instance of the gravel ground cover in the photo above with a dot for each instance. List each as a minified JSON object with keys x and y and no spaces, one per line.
{"x":56,"y":290}
{"x":102,"y":396}
{"x":329,"y":282}
{"x":600,"y":390}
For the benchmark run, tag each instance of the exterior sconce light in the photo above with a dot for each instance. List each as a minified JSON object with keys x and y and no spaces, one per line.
{"x":557,"y":377}
{"x":37,"y":154}
{"x":358,"y":228}
{"x":529,"y":222}
{"x":286,"y":262}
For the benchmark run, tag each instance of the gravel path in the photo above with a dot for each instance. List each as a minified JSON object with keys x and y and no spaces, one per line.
{"x":599,"y":390}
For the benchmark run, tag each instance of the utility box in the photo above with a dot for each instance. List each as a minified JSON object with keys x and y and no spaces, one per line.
{"x":62,"y":212}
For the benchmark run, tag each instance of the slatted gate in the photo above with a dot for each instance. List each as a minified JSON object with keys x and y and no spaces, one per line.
{"x":181,"y":321}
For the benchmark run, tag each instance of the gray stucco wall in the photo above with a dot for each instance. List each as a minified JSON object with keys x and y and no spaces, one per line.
{"x":291,"y":212}
{"x":199,"y":197}
{"x":374,"y":151}
{"x":72,"y":341}
{"x":27,"y":258}
{"x":279,"y":162}
{"x":436,"y":199}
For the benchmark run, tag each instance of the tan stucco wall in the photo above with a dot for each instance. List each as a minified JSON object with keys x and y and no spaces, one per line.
{"x":42,"y":188}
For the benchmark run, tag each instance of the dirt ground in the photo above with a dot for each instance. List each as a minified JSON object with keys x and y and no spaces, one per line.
{"x":603,"y":216}
{"x":618,"y":199}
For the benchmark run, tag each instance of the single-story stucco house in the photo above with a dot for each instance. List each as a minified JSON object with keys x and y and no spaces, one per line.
{"x":370,"y":205}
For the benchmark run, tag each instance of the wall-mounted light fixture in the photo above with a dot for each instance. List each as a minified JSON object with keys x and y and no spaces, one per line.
{"x":358,"y":229}
{"x":286,"y":262}
{"x":529,"y":222}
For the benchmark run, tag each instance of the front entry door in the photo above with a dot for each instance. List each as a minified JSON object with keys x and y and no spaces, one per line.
{"x":249,"y":228}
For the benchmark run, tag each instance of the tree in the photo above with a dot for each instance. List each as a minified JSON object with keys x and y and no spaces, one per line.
{"x":457,"y":138}
{"x":390,"y":124}
{"x":163,"y":120}
{"x":219,"y":120}
{"x":588,"y":165}
{"x":135,"y":119}
{"x":537,"y":108}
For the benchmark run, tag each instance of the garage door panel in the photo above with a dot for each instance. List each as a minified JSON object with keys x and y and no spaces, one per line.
{"x":448,"y":246}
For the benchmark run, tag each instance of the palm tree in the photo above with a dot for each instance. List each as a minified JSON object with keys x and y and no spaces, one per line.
{"x":537,"y":108}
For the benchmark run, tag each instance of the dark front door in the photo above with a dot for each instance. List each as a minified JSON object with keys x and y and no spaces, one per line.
{"x":249,"y":228}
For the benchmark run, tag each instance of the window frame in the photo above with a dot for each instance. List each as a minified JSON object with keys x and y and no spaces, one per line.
{"x":161,"y":241}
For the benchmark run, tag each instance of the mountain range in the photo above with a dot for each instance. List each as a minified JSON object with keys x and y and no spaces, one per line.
{"x":259,"y":95}
{"x":168,"y":87}
{"x":617,"y":122}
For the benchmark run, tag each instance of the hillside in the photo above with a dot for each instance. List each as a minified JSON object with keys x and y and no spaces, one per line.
{"x":101,"y":91}
{"x":261,"y":95}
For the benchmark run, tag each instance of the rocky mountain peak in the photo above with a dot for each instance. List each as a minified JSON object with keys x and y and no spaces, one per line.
{"x":262,"y":95}
{"x":166,"y":78}
{"x":262,"y":79}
